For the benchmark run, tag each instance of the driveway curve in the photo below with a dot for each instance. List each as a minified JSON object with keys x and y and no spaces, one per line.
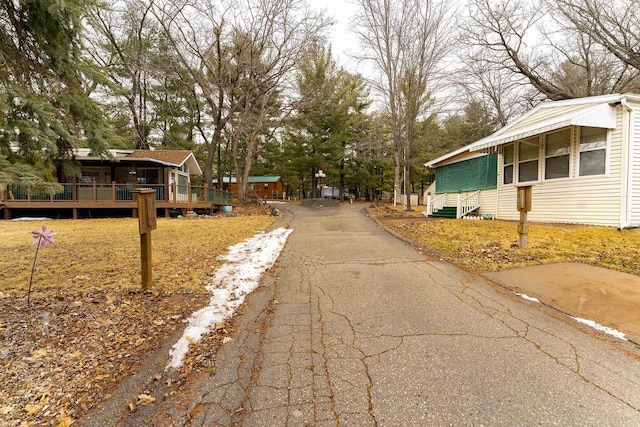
{"x":355,"y":327}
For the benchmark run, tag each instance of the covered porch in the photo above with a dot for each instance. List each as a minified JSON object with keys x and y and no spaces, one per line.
{"x":77,"y":196}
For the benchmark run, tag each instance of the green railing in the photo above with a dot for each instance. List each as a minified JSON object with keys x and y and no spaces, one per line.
{"x":220,"y":197}
{"x":119,"y":192}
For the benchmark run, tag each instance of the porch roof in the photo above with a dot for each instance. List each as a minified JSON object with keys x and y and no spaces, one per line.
{"x":596,"y":111}
{"x":173,"y":158}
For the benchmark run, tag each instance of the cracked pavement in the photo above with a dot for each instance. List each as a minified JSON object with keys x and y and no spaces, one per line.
{"x":355,"y":327}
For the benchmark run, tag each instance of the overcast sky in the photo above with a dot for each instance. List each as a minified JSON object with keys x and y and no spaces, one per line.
{"x":343,"y":41}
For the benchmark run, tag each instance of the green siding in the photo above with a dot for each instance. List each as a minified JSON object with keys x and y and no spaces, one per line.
{"x":480,"y":173}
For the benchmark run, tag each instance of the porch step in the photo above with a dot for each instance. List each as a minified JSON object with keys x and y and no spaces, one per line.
{"x":445,"y":212}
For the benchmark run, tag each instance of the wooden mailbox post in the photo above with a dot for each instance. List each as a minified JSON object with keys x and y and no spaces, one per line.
{"x":524,"y":206}
{"x":146,"y":223}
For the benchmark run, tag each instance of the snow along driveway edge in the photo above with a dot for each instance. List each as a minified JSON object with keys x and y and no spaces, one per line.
{"x":239,"y":276}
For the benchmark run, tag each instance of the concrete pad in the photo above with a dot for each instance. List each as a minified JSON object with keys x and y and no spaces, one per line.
{"x":605,"y":296}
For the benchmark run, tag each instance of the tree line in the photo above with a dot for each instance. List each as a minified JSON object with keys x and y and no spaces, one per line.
{"x":253,"y":88}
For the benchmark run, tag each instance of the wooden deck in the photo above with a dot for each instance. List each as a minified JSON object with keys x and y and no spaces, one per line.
{"x":94,"y":196}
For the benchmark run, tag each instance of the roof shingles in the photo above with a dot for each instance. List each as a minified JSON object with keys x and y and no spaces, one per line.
{"x":175,"y":157}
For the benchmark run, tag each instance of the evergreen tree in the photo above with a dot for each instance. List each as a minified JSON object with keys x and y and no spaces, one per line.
{"x":329,"y":119}
{"x":45,"y":107}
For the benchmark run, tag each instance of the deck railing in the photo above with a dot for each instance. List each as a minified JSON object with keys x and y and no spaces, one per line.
{"x":119,"y":193}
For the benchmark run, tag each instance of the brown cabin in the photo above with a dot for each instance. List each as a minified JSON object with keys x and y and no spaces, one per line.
{"x":262,"y":187}
{"x":110,"y":183}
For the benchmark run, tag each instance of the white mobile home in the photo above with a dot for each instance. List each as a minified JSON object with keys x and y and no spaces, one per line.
{"x":581,"y":157}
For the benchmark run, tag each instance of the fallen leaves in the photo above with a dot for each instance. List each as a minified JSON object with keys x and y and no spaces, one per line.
{"x":492,"y":245}
{"x":64,"y":420}
{"x":99,"y":325}
{"x":143,"y":400}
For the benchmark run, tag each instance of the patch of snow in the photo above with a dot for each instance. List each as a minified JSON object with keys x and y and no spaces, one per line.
{"x":600,"y":327}
{"x":527,"y":297}
{"x":245,"y":264}
{"x":276,"y":202}
{"x":31,"y":218}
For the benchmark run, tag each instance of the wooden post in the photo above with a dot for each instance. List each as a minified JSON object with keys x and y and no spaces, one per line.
{"x":146,"y":223}
{"x":524,"y":206}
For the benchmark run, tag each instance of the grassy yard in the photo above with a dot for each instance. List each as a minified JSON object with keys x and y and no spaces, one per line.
{"x":99,"y":325}
{"x":105,"y":253}
{"x":493,"y":245}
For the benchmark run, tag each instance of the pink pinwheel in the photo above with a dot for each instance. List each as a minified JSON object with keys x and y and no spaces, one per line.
{"x":40,"y":238}
{"x":43,"y":237}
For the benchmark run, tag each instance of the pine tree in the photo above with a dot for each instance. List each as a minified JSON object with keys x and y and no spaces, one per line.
{"x":45,"y":107}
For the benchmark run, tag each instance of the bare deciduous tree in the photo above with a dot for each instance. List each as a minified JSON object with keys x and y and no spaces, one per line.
{"x":406,"y":41}
{"x":561,"y":48}
{"x":240,"y":57}
{"x":499,"y":90}
{"x":613,"y":24}
{"x":122,"y":47}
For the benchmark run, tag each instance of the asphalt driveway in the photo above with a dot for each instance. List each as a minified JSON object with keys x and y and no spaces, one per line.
{"x":355,"y":327}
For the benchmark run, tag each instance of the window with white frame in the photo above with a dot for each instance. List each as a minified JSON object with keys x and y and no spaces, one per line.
{"x":507,"y":169}
{"x":593,"y":151}
{"x":556,"y":154}
{"x":528,"y":158}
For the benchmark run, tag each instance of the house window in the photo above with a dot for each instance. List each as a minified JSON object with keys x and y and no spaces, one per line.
{"x":507,"y":170}
{"x":100,"y":175}
{"x":557,"y":149}
{"x":528,"y":160}
{"x":593,"y":151}
{"x":148,"y":176}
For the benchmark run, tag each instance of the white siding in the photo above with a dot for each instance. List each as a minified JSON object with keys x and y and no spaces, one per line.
{"x":489,"y":202}
{"x":634,"y":152}
{"x":585,"y":200}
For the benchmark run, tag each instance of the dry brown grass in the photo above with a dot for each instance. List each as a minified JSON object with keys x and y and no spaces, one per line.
{"x":105,"y":253}
{"x":101,"y":326}
{"x":493,"y":245}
